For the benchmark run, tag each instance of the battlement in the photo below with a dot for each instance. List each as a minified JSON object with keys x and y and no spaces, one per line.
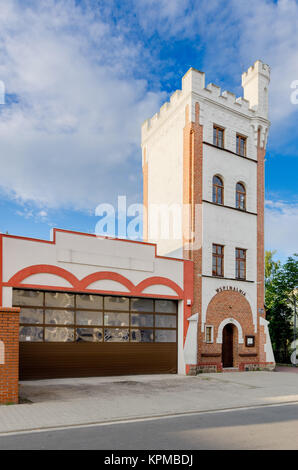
{"x":194,"y":82}
{"x":257,"y":68}
{"x":255,"y":84}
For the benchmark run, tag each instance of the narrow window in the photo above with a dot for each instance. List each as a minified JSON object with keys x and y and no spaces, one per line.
{"x":217,"y":190}
{"x":218,"y":136}
{"x":240,"y":197}
{"x":241,"y":145}
{"x":240,"y":263}
{"x":209,"y":334}
{"x":2,"y":353}
{"x":249,"y":341}
{"x":217,"y":260}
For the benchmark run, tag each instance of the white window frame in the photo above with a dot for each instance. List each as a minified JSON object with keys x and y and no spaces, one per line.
{"x":212,"y":334}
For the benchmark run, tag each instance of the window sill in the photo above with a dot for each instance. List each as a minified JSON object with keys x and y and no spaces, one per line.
{"x":226,"y":278}
{"x":229,"y":151}
{"x":230,"y":207}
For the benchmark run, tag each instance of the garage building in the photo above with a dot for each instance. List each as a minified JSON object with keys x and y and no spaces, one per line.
{"x":92,"y":306}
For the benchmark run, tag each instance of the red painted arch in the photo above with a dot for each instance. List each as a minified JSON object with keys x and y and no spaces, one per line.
{"x":106,"y":275}
{"x":151,"y":281}
{"x":21,"y":275}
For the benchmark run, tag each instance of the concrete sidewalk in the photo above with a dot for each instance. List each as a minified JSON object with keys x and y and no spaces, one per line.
{"x":69,"y":402}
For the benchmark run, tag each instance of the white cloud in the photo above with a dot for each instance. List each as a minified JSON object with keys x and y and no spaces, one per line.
{"x":168,"y":17}
{"x":29,"y":211}
{"x":281,"y":227}
{"x":233,"y":35}
{"x":72,"y":136}
{"x":269,"y":32}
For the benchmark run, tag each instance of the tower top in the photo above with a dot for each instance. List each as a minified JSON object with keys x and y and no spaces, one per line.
{"x":258,"y":68}
{"x":255,"y":84}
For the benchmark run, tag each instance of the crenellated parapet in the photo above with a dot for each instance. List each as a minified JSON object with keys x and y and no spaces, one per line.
{"x":254,"y":104}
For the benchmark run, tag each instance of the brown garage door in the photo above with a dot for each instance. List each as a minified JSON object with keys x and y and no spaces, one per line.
{"x":79,"y":335}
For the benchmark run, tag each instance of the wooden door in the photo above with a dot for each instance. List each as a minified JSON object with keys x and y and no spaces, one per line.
{"x":227,"y":346}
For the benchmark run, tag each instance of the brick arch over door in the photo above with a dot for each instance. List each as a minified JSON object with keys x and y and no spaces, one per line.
{"x":230,"y":305}
{"x":228,"y":321}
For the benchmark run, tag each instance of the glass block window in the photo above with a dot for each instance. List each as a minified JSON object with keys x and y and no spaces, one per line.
{"x":62,"y":317}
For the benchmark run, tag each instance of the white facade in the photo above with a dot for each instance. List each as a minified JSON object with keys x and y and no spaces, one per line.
{"x":162,"y":143}
{"x":76,"y":262}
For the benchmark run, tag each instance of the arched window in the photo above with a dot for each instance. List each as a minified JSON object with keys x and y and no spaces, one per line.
{"x":218,"y":190}
{"x":240,"y":196}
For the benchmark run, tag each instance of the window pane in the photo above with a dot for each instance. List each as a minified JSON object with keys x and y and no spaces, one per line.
{"x":139,"y":319}
{"x":214,"y":194}
{"x":59,"y":317}
{"x":142,"y":305}
{"x":219,"y":196}
{"x":214,"y":135}
{"x":240,"y":187}
{"x":116,"y":319}
{"x":27,"y":297}
{"x":91,"y":335}
{"x":208,"y":334}
{"x":168,"y":321}
{"x":59,"y":299}
{"x":93,"y":302}
{"x":31,"y":315}
{"x":220,"y":138}
{"x":165,"y":336}
{"x":167,"y":306}
{"x":217,"y":180}
{"x":116,"y":335}
{"x":31,"y":333}
{"x":89,"y":318}
{"x":141,"y":336}
{"x":61,"y":335}
{"x":116,"y":303}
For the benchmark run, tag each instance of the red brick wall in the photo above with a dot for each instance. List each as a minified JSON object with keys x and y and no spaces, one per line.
{"x":260,"y":243}
{"x":9,"y":371}
{"x":229,"y":304}
{"x":192,"y":198}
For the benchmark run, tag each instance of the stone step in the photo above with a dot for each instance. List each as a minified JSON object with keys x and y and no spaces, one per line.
{"x":230,"y":369}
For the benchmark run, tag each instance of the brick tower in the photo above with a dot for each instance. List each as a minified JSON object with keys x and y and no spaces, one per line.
{"x":203,"y":173}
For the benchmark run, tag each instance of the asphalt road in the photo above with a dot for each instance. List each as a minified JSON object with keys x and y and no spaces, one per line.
{"x":267,"y":427}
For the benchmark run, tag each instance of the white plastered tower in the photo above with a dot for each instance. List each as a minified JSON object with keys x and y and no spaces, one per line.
{"x":179,"y":163}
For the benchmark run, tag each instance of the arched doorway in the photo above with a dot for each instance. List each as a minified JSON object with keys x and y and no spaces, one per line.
{"x":227,"y":346}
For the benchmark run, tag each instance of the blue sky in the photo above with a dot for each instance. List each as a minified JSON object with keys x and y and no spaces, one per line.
{"x":81,"y":76}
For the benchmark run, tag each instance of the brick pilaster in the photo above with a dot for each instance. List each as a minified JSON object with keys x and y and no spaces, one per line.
{"x":192,"y":199}
{"x":260,"y":241}
{"x":9,"y":355}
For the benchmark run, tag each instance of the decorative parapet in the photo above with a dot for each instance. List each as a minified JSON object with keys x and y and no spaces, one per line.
{"x":193,"y":82}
